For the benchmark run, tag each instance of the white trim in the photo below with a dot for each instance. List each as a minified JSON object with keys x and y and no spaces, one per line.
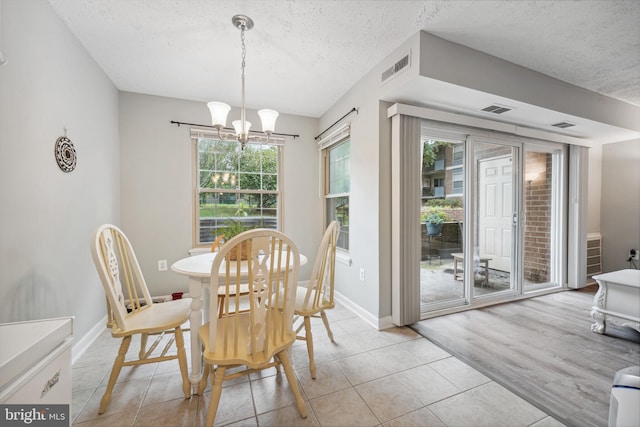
{"x":378,"y":323}
{"x":343,"y":257}
{"x":336,"y":136}
{"x":89,"y":338}
{"x":199,"y":250}
{"x":475,"y":122}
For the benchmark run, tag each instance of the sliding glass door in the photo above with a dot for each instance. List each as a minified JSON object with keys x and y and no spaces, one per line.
{"x":491,"y":219}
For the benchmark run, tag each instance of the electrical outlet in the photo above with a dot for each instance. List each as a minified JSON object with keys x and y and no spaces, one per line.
{"x":633,"y":254}
{"x":162,"y":265}
{"x":362,"y":274}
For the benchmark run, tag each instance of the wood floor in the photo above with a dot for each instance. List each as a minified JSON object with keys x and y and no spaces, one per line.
{"x":543,"y":350}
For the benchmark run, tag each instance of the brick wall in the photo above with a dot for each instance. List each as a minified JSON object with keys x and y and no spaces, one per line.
{"x":537,"y":233}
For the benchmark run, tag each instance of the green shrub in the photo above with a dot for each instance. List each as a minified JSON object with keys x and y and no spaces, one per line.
{"x":434,"y":215}
{"x":445,"y":203}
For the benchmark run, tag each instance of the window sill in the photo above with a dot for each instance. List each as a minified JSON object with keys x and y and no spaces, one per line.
{"x":199,"y":251}
{"x":343,"y":257}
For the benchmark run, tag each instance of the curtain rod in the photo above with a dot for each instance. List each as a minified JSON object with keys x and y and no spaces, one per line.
{"x":231,"y":129}
{"x":336,"y":122}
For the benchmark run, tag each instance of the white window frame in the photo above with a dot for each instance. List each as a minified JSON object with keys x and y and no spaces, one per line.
{"x":457,"y":171}
{"x":197,"y":134}
{"x":338,"y":137}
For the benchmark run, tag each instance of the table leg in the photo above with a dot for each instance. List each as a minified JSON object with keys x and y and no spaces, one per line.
{"x":600,"y":318}
{"x":195,"y":320}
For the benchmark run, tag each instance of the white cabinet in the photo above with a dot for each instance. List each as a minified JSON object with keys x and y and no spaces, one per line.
{"x":35,"y":362}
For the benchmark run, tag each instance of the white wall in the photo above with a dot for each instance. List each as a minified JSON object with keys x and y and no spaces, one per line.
{"x":48,"y":216}
{"x":157,"y":190}
{"x":620,"y":206}
{"x":595,"y":188}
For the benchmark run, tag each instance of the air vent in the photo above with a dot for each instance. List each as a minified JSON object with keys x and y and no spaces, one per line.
{"x":395,"y":68}
{"x":563,"y":125}
{"x":497,"y":109}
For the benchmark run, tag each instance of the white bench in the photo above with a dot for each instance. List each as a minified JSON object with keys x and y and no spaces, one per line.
{"x":482,"y":262}
{"x":617,"y":300}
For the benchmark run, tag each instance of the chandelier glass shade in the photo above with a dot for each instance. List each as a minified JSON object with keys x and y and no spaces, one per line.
{"x":220,"y":110}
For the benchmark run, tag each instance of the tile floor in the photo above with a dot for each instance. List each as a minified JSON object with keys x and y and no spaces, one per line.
{"x":366,"y":378}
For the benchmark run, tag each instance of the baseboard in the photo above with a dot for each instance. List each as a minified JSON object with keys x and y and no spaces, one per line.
{"x":85,"y":342}
{"x":378,"y":323}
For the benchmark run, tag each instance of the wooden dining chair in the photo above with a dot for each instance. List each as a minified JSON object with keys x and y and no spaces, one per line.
{"x":316,"y":295}
{"x":131,"y":309}
{"x":243,"y":288}
{"x":256,"y":338}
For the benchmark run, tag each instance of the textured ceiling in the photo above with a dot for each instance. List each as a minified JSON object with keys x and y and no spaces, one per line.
{"x":303,"y":55}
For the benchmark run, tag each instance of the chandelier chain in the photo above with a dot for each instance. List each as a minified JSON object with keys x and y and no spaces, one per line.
{"x":244,"y":49}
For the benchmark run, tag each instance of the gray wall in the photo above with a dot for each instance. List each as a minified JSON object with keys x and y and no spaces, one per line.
{"x":157,"y":189}
{"x":48,"y":216}
{"x":370,"y":199}
{"x":595,"y":189}
{"x":620,"y":205}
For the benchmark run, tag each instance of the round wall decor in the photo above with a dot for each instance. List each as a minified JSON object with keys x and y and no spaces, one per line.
{"x":65,"y":154}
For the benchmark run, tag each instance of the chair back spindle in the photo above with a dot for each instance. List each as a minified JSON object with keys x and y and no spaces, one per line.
{"x":254,"y":326}
{"x":121,"y":276}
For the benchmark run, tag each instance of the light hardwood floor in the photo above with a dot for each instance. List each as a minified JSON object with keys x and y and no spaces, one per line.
{"x":543,"y":350}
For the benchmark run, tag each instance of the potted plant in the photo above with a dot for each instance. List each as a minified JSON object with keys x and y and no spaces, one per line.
{"x":232,"y":228}
{"x":434,"y":218}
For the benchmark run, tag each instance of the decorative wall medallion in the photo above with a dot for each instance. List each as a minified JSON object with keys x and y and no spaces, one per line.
{"x":65,"y":154}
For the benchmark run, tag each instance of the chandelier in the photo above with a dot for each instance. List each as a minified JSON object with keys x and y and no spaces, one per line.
{"x":219,"y":110}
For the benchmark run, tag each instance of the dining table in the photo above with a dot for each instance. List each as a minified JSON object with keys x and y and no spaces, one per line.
{"x":198,"y":269}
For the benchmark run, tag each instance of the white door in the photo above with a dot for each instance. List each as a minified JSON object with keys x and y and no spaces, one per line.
{"x":495,"y":213}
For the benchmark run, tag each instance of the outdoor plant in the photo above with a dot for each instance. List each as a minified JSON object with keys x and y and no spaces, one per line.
{"x":434,"y":215}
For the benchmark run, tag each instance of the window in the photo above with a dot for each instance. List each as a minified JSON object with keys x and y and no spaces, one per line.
{"x":458,"y":154}
{"x":457,"y":178}
{"x":337,"y":186}
{"x":234,"y":184}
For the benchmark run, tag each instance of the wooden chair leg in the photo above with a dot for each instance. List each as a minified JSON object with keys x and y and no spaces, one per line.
{"x":326,"y":325}
{"x":143,"y":345}
{"x":216,"y":391}
{"x":115,"y":371}
{"x":205,"y":378}
{"x":309,"y":338}
{"x":182,"y":361}
{"x":293,"y":383}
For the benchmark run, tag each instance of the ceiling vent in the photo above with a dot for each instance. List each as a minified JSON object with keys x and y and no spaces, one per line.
{"x":496,"y":109}
{"x":395,"y":68}
{"x":563,"y":125}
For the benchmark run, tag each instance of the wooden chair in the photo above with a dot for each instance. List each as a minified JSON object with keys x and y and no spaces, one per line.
{"x":259,"y":337}
{"x":244,"y":289}
{"x":316,"y":295}
{"x":131,"y":309}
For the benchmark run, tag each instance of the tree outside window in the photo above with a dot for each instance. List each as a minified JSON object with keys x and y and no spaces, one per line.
{"x":236,"y":184}
{"x":337,"y":187}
